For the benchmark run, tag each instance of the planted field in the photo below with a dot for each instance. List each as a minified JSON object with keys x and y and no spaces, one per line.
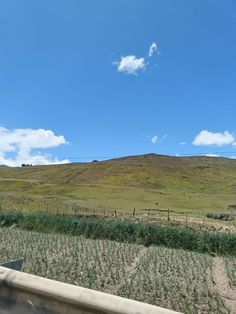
{"x":176,"y":279}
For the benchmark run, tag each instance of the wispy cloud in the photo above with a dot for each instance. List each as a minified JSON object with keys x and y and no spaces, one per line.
{"x":19,"y":146}
{"x":153,"y":49}
{"x":212,"y":155}
{"x":163,"y":138}
{"x":131,"y":64}
{"x":183,"y":143}
{"x":155,"y":139}
{"x":208,"y":138}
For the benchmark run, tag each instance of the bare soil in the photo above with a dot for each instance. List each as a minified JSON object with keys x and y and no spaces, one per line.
{"x":222,"y":285}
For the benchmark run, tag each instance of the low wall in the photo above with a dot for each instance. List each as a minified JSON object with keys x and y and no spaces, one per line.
{"x":28,"y":294}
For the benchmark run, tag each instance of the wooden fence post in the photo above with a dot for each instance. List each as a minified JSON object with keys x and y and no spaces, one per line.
{"x":186,"y":219}
{"x":168,"y":215}
{"x":134,"y":213}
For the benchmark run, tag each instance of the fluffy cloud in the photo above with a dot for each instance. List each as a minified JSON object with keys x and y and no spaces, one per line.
{"x":133,"y":65}
{"x":152,"y":49}
{"x":207,"y":138}
{"x":19,"y":146}
{"x":130,"y":64}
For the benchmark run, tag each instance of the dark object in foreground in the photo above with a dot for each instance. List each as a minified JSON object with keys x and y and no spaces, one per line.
{"x":15,"y":265}
{"x":22,"y":293}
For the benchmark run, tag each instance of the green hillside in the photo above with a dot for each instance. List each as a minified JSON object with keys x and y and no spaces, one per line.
{"x":193,"y":184}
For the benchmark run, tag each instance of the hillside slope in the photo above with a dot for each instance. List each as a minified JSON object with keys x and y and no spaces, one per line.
{"x":186,"y":184}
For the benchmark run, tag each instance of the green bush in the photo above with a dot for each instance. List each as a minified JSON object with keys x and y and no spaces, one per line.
{"x":125,"y":231}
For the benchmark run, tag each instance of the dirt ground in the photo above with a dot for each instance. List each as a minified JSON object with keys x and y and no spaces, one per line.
{"x":222,"y":285}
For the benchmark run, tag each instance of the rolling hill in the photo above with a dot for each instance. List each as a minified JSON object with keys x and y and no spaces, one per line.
{"x":192,"y":184}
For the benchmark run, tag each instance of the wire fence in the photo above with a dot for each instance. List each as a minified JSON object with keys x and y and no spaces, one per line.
{"x":152,"y":215}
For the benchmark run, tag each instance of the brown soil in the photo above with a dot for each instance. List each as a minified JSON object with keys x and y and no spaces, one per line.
{"x":113,"y":289}
{"x":222,"y":285}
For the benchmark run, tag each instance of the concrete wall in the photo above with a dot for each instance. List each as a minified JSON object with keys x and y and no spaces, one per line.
{"x":28,"y":294}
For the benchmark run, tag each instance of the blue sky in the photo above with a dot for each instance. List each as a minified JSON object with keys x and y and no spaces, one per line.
{"x":69,"y":92}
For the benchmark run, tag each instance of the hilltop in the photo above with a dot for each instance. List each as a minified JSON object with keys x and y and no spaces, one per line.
{"x":196,"y":184}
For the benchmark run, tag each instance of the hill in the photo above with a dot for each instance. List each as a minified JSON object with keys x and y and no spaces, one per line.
{"x":193,"y":184}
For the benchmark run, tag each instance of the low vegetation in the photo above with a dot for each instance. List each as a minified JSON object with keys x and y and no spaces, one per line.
{"x":175,"y":279}
{"x":178,"y":280}
{"x":230,"y":263}
{"x":126,"y":227}
{"x":125,"y":231}
{"x":225,"y":217}
{"x":198,"y":185}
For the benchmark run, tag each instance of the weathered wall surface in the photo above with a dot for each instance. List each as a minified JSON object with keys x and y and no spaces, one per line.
{"x":28,"y":294}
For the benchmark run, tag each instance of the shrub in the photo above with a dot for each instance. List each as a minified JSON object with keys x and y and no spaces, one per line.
{"x":125,"y":231}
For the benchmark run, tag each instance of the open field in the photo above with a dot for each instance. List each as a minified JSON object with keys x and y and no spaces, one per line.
{"x":197,"y":185}
{"x":186,"y":281}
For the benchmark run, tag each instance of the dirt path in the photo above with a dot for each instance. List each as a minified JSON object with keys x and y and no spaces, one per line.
{"x":222,"y":285}
{"x":129,"y":271}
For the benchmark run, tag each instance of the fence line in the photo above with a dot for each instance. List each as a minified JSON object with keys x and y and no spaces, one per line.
{"x":149,"y":214}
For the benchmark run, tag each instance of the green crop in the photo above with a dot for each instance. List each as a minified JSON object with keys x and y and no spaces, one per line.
{"x":126,"y":231}
{"x":175,"y":279}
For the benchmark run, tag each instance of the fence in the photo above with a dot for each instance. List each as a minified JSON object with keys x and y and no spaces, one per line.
{"x":28,"y":294}
{"x":33,"y":204}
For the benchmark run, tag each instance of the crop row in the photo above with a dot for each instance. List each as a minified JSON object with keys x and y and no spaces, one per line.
{"x":175,"y":279}
{"x":126,"y":231}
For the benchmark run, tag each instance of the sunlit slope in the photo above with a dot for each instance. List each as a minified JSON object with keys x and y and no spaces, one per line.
{"x":190,"y":183}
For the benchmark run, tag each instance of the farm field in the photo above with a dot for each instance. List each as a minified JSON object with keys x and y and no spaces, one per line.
{"x":176,"y":279}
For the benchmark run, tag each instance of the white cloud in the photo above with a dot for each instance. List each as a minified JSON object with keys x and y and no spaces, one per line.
{"x":130,"y":64}
{"x":212,"y":155}
{"x":163,"y":138}
{"x":153,"y":49}
{"x":183,"y":143}
{"x":154,"y":139}
{"x":19,"y":146}
{"x":207,"y":138}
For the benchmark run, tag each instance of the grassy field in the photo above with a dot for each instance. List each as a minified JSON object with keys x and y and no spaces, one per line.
{"x":197,"y":185}
{"x":176,"y":279}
